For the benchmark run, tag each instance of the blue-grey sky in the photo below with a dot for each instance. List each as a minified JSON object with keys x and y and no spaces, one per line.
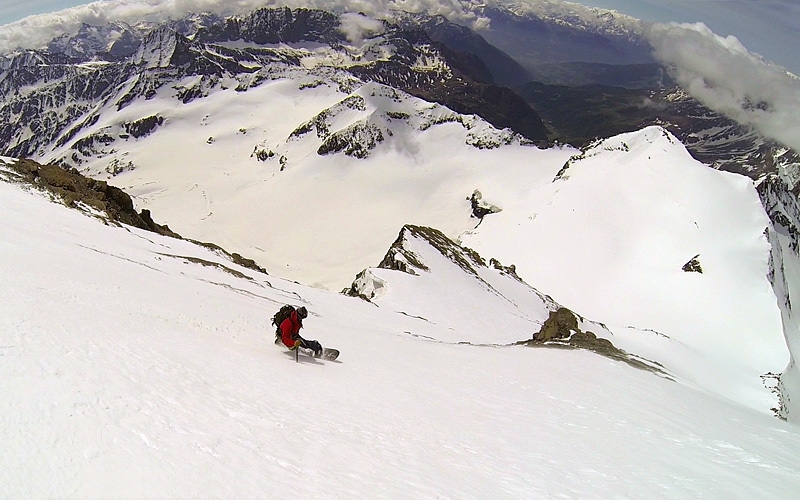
{"x":770,"y":28}
{"x":14,"y":10}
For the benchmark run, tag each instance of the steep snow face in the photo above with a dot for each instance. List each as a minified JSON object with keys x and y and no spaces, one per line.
{"x":311,"y":173}
{"x":135,"y":365}
{"x":610,"y":236}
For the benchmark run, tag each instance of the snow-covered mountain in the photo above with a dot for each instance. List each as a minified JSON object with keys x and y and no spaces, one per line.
{"x":312,"y":141}
{"x":623,"y":220}
{"x":212,"y":132}
{"x":135,"y":364}
{"x":115,"y":40}
{"x":582,"y":113}
{"x":237,"y":130}
{"x":49,"y":96}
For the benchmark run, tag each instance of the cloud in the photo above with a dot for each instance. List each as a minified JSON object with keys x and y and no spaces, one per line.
{"x":722,"y":74}
{"x":356,"y":27}
{"x":36,"y":31}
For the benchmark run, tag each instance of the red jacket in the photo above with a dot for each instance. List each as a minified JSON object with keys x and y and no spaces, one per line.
{"x":290,"y":329}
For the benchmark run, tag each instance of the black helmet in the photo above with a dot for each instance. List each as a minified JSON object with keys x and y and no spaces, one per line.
{"x":302,"y":313}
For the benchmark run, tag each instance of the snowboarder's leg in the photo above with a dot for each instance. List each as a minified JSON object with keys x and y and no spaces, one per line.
{"x":312,"y":345}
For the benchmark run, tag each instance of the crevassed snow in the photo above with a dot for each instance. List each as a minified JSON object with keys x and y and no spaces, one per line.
{"x":129,"y":369}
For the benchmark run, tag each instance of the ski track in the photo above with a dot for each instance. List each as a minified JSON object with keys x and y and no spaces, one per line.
{"x":127,"y":374}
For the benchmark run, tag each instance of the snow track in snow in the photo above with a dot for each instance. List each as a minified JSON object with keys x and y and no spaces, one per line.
{"x":129,"y":373}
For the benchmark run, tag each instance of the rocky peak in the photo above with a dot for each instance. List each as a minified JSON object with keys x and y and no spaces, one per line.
{"x":114,"y":40}
{"x":286,"y":25}
{"x":401,"y":255}
{"x":161,"y":48}
{"x":125,"y":45}
{"x":274,"y":25}
{"x":191,"y":24}
{"x":421,"y":250}
{"x":32,"y":59}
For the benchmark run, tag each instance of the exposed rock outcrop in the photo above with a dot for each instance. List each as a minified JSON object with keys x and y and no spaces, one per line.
{"x":693,"y":266}
{"x":73,"y":189}
{"x":91,"y":195}
{"x":562,"y":329}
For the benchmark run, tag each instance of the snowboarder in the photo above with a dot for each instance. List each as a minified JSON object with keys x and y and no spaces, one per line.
{"x":289,"y":329}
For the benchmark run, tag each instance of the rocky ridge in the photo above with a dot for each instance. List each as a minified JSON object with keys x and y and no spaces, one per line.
{"x":419,"y":251}
{"x":96,"y":198}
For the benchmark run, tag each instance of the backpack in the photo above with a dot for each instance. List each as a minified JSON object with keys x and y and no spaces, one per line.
{"x":281,"y":315}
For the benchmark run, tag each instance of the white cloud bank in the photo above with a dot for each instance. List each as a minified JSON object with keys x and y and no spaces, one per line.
{"x":723,"y":75}
{"x":356,"y":27}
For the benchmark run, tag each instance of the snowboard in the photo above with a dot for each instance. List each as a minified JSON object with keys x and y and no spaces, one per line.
{"x":328,"y":354}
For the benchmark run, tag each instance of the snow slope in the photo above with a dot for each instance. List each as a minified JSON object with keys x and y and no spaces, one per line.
{"x":317,"y":219}
{"x":440,"y":276}
{"x":313,"y":173}
{"x":135,"y":365}
{"x":609,"y":239}
{"x":424,"y":273}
